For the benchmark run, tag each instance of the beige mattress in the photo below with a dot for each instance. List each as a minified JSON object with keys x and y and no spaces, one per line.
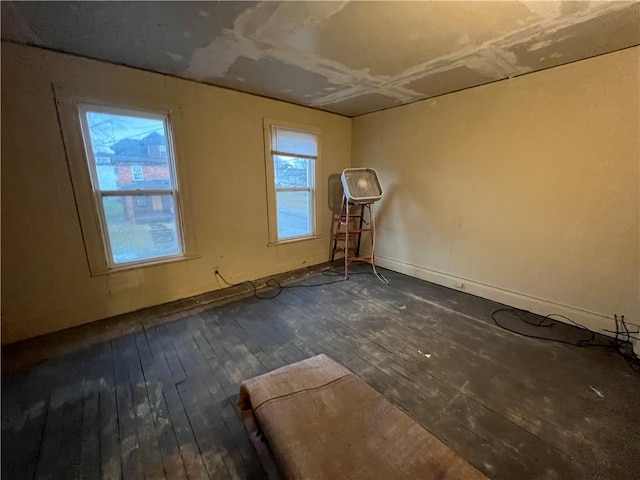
{"x":320,"y":420}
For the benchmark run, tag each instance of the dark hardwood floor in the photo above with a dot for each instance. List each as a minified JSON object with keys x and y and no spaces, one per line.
{"x":158,"y":400}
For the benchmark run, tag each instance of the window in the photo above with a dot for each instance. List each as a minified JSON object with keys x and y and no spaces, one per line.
{"x":138,"y":208}
{"x":137,"y":173}
{"x":291,"y":166}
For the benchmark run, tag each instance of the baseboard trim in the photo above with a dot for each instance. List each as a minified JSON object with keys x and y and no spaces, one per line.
{"x":594,"y":321}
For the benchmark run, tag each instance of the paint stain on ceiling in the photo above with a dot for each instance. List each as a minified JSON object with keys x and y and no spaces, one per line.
{"x":350,"y":58}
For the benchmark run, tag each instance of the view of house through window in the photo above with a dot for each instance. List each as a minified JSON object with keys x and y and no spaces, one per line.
{"x":133,"y":178}
{"x":294,"y":155}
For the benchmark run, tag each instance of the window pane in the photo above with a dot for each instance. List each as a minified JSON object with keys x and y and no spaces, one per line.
{"x":292,"y":172}
{"x":141,"y":227}
{"x":291,"y":141}
{"x":130,"y":152}
{"x":294,"y":214}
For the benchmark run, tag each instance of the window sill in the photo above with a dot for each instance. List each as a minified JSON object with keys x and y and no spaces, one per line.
{"x":293,"y":240}
{"x":136,"y":266}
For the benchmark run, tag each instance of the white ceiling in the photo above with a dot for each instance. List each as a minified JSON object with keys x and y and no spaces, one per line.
{"x":350,"y":58}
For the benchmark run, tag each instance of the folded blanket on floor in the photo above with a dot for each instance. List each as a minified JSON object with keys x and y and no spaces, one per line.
{"x":322,"y":421}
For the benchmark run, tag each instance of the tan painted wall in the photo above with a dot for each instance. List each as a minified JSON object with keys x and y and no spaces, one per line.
{"x":46,"y":284}
{"x":525,"y":191}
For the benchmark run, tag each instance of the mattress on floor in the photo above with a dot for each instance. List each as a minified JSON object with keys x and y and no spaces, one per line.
{"x":322,"y":421}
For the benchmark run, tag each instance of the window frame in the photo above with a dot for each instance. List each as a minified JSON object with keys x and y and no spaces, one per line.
{"x":67,"y":97}
{"x":99,"y":194}
{"x":134,"y":169}
{"x":272,"y":209}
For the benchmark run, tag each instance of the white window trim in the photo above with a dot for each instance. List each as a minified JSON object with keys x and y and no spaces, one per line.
{"x":272,"y":210}
{"x":98,"y":258}
{"x":99,"y":194}
{"x":134,"y":169}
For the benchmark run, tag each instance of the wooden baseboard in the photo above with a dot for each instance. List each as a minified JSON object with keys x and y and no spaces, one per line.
{"x":597,"y":322}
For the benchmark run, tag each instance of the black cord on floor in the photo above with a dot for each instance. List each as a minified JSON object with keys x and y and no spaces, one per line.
{"x":272,"y":282}
{"x":253,"y":286}
{"x":335,"y":272}
{"x":620,"y":344}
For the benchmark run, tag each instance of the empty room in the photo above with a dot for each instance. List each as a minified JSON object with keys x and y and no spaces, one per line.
{"x":320,"y":240}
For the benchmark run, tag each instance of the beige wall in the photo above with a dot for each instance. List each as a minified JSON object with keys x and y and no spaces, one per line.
{"x":525,"y":191}
{"x":46,"y":282}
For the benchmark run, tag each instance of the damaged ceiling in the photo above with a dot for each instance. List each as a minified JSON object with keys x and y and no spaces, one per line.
{"x":350,"y":58}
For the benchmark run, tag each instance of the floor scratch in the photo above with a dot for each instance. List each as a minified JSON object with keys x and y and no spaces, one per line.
{"x":458,"y":394}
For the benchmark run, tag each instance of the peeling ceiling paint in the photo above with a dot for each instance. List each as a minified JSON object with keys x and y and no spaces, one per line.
{"x":350,"y":58}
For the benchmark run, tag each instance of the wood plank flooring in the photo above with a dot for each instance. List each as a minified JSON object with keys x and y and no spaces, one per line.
{"x":158,"y":400}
